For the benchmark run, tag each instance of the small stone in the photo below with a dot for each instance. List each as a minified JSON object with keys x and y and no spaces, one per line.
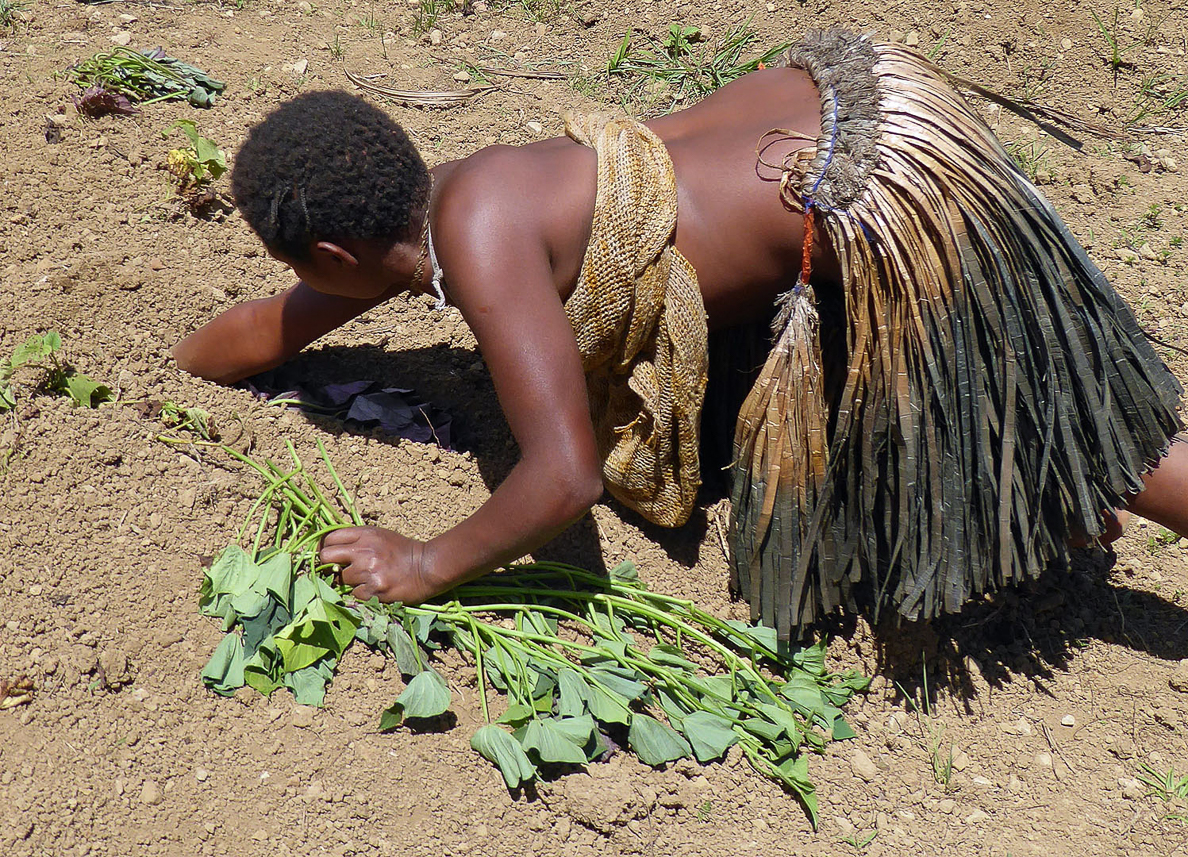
{"x":1066,"y":44}
{"x":150,"y":794}
{"x":1014,"y":784}
{"x":976,"y":817}
{"x":1023,"y":727}
{"x":201,"y":775}
{"x":912,"y":39}
{"x":157,"y":265}
{"x":961,"y":761}
{"x":1126,"y":254}
{"x":1068,"y":720}
{"x":1132,"y":789}
{"x":534,"y":128}
{"x":863,"y":767}
{"x":315,"y":790}
{"x":896,"y":35}
{"x":302,"y":716}
{"x":1146,"y":251}
{"x":435,"y":37}
{"x":497,"y":35}
{"x":122,"y":38}
{"x":1179,"y":678}
{"x":305,"y":7}
{"x":126,"y":19}
{"x":462,"y":76}
{"x":298,"y":68}
{"x":1043,"y":760}
{"x":947,"y":806}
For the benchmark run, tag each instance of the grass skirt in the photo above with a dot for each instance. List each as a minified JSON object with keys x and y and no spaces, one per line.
{"x":989,"y":394}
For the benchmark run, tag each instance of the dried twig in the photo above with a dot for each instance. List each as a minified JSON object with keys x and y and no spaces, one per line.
{"x":420,"y":98}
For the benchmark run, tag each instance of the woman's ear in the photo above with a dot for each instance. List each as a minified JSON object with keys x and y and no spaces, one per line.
{"x":336,"y":254}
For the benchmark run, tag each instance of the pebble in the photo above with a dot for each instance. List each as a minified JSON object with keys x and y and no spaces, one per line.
{"x":305,"y":7}
{"x":298,"y":68}
{"x":1066,"y":44}
{"x":863,"y":767}
{"x":497,"y":35}
{"x":302,"y":716}
{"x":534,"y":128}
{"x":201,"y":775}
{"x":1126,"y":254}
{"x":1023,"y":727}
{"x":1043,"y":760}
{"x":1179,"y":678}
{"x":961,"y":761}
{"x":1132,"y":789}
{"x":435,"y":37}
{"x":462,"y":76}
{"x":1068,"y":720}
{"x":912,"y":39}
{"x":976,"y":817}
{"x":947,"y":805}
{"x":122,"y":38}
{"x":150,"y":794}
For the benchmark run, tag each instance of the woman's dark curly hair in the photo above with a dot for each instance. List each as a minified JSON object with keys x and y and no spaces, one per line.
{"x":325,"y":166}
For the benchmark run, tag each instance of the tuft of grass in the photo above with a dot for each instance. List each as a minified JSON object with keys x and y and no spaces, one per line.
{"x":368,"y":21}
{"x":1030,"y":155}
{"x":940,"y":752}
{"x":1116,"y":53}
{"x":1159,"y":95}
{"x":860,"y":843}
{"x":659,"y":74}
{"x":335,"y":47}
{"x":428,"y":11}
{"x":1169,"y":788}
{"x":10,"y":13}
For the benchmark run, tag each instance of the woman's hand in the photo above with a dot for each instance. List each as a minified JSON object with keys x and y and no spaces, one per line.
{"x":380,"y":562}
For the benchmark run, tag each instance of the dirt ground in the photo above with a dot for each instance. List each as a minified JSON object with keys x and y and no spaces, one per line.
{"x":1051,"y":700}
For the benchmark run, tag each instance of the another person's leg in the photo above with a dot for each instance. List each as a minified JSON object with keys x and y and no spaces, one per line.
{"x":1165,"y":499}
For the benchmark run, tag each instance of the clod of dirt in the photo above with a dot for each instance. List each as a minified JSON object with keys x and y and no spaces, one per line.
{"x":1179,"y":679}
{"x":863,"y":767}
{"x":114,"y":671}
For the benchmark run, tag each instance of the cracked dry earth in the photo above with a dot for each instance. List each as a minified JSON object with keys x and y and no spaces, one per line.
{"x":1048,"y":702}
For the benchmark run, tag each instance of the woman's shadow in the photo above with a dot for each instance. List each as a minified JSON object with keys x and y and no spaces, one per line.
{"x":450,"y":379}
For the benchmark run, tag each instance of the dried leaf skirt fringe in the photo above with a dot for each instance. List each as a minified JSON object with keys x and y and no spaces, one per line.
{"x":997,"y":395}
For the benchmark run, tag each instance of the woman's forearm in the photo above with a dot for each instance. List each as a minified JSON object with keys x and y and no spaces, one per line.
{"x":235,"y":344}
{"x":534,"y":504}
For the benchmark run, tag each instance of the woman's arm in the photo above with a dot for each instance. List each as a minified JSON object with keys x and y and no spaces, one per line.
{"x":501,"y":280}
{"x":259,"y":335}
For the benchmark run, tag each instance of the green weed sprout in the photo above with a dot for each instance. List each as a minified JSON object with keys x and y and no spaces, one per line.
{"x":58,"y":377}
{"x":198,"y":164}
{"x":584,"y":661}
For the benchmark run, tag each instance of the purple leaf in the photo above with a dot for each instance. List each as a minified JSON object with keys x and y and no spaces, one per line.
{"x":96,"y":101}
{"x":339,"y":394}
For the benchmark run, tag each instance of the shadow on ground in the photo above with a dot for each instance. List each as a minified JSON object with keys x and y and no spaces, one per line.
{"x":1029,"y":631}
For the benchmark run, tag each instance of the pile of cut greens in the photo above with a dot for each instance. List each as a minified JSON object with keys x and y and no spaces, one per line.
{"x":140,"y":78}
{"x":586,"y":662}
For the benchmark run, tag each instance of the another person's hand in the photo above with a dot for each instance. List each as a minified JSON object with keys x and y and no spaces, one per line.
{"x":379,"y":562}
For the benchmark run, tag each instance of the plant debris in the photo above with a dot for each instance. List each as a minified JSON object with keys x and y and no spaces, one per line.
{"x":198,"y":164}
{"x":58,"y":378}
{"x":587,"y":663}
{"x":145,"y":78}
{"x":394,"y":410}
{"x":19,"y":691}
{"x":96,"y":101}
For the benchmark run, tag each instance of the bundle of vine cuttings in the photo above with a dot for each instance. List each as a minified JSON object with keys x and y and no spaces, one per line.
{"x":587,"y":664}
{"x":143,"y":78}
